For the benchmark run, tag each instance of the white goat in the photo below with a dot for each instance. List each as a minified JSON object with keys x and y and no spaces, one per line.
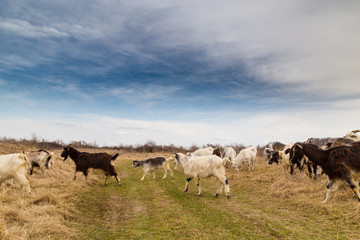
{"x":246,"y":155}
{"x":40,"y":158}
{"x":229,"y":153}
{"x":353,"y":135}
{"x":15,"y":166}
{"x":203,"y":167}
{"x":202,"y":152}
{"x":198,"y":153}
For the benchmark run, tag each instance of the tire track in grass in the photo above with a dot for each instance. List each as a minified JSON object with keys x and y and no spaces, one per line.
{"x":159,"y":209}
{"x":196,"y":217}
{"x":166,"y":211}
{"x":159,"y":216}
{"x":167,"y":218}
{"x":218,"y":220}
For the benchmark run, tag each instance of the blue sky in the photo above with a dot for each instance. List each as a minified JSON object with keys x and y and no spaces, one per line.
{"x":179,"y":72}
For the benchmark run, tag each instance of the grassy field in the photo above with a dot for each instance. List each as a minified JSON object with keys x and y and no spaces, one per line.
{"x":263,"y":205}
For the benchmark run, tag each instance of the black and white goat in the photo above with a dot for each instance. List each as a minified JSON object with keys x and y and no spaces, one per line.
{"x":151,"y":164}
{"x":268,"y":151}
{"x":84,"y":161}
{"x":40,"y":158}
{"x":282,"y":157}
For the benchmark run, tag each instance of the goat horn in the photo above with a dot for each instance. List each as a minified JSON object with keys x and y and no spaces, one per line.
{"x":356,"y":131}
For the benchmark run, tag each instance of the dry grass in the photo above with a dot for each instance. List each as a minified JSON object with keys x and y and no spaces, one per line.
{"x":41,"y":215}
{"x":51,"y":208}
{"x":263,"y":205}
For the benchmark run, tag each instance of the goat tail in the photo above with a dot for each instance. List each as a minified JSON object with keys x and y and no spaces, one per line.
{"x":227,"y":163}
{"x":114,"y":157}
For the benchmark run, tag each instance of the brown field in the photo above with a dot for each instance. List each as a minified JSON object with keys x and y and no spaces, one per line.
{"x":263,"y":205}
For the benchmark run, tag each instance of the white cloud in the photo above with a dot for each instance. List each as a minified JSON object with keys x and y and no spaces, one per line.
{"x":26,"y":29}
{"x":308,"y":44}
{"x":13,"y":61}
{"x":254,"y":129}
{"x":297,"y":46}
{"x":143,"y":93}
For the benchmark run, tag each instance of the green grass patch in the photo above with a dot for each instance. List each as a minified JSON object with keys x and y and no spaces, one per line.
{"x":159,"y":209}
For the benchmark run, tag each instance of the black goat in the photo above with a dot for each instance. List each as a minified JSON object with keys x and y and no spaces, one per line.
{"x":84,"y":161}
{"x":336,"y":162}
{"x":300,"y":164}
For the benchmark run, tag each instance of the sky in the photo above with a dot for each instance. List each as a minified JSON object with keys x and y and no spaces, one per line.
{"x":115,"y":72}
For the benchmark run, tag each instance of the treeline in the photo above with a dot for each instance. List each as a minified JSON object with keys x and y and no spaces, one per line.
{"x":148,"y":147}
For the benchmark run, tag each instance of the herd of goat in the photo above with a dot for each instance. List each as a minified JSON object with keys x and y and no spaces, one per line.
{"x":338,"y":159}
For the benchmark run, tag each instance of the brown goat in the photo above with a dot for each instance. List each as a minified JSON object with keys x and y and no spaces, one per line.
{"x":337,"y":163}
{"x":84,"y":161}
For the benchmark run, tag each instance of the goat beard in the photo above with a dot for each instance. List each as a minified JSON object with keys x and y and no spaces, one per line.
{"x":65,"y":158}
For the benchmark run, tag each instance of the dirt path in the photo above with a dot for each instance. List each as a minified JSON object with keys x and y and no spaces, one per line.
{"x":263,"y":205}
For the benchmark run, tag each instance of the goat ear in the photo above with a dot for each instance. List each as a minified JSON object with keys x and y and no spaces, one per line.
{"x":287,"y":151}
{"x":298,"y":145}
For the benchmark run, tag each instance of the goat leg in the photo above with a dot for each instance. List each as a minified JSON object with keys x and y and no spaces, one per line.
{"x":106,"y":178}
{"x":85,"y":172}
{"x":118,"y":180}
{"x":198,"y":185}
{"x":187,"y":184}
{"x":329,"y":186}
{"x":144,"y":174}
{"x":171,"y":172}
{"x":165,"y":172}
{"x":227,"y":189}
{"x":353,"y":186}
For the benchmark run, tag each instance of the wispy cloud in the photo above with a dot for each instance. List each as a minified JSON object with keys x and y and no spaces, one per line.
{"x":24,"y":28}
{"x":144,"y":92}
{"x":190,"y":67}
{"x":15,"y":62}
